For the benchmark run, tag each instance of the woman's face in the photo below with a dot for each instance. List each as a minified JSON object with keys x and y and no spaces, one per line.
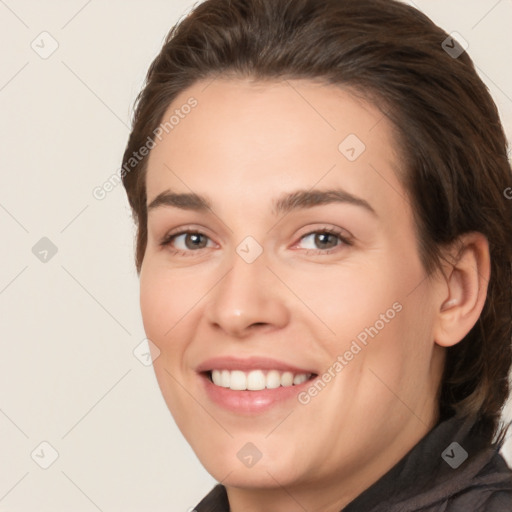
{"x":303,"y":265}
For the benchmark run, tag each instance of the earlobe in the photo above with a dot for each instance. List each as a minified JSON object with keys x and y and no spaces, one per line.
{"x":464,"y":290}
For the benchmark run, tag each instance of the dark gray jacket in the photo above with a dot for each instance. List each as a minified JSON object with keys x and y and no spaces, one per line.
{"x":450,"y":470}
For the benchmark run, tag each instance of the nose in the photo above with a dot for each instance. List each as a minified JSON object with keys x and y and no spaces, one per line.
{"x":248,"y":298}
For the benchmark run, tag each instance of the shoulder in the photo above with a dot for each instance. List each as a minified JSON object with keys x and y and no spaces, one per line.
{"x":479,"y":500}
{"x":215,"y":501}
{"x":490,"y":490}
{"x":500,"y":501}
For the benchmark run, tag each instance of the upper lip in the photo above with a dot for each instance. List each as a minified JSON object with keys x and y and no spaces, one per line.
{"x":248,"y":364}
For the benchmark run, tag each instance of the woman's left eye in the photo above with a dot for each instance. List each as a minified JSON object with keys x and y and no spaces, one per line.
{"x":324,"y":240}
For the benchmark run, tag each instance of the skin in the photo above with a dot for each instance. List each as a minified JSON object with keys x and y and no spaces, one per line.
{"x":243,"y":146}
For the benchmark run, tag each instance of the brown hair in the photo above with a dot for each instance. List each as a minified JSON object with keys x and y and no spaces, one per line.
{"x":453,"y":145}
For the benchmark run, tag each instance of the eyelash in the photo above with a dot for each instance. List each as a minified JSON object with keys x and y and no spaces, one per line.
{"x":166,"y":242}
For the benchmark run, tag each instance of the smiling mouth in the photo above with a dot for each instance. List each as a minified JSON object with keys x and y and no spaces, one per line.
{"x":256,"y":380}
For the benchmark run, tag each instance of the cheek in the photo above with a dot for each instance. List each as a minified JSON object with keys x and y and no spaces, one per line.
{"x":371,"y":307}
{"x":162,"y":307}
{"x":164,"y":300}
{"x":395,"y":359}
{"x":353,"y":297}
{"x":154,"y":300}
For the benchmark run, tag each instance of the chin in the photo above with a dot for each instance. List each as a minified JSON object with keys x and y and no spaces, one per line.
{"x":260,"y":476}
{"x":240,"y":463}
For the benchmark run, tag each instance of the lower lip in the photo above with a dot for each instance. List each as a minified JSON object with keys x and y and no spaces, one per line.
{"x":250,"y":402}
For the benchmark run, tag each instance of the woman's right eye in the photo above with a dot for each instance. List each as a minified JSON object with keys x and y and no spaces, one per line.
{"x":186,"y":242}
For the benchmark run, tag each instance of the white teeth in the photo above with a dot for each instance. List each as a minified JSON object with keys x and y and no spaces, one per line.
{"x":238,"y":380}
{"x":217,"y":377}
{"x":273,"y":379}
{"x":287,"y":379}
{"x":299,"y":379}
{"x":221,"y":378}
{"x":225,"y":378}
{"x":256,"y":379}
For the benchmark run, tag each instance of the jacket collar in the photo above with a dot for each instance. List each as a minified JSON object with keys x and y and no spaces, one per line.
{"x":450,"y":459}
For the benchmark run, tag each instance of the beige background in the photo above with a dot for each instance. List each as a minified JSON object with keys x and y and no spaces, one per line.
{"x":69,"y":326}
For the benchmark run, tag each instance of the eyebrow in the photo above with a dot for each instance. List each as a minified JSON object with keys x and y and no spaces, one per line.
{"x":299,"y":199}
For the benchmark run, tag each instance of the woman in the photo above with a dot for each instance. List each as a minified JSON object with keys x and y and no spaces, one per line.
{"x":324,"y":250}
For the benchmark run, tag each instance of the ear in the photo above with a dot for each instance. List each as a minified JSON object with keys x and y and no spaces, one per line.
{"x":463,"y":290}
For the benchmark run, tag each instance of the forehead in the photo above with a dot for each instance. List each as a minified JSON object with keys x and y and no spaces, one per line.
{"x":247,"y":140}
